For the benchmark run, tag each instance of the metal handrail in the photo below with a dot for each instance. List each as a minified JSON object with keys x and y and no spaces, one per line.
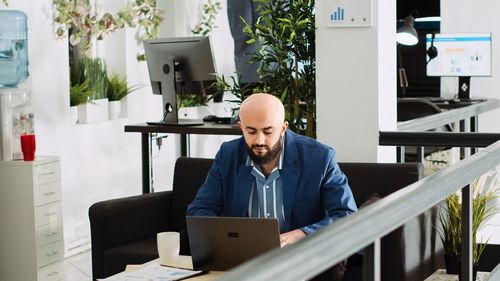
{"x":448,"y":139}
{"x":338,"y":241}
{"x":495,"y":274}
{"x":446,"y":117}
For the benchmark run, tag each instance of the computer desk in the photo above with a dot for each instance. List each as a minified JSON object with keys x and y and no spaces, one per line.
{"x":208,"y":128}
{"x":452,"y":104}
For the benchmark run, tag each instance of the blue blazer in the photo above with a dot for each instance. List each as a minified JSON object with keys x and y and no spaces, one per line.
{"x":315,"y":191}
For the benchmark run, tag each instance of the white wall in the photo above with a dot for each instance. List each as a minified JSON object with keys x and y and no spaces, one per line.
{"x":476,"y":16}
{"x":355,"y":86}
{"x":99,"y":160}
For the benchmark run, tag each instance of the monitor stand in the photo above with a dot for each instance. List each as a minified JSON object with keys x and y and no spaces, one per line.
{"x":464,"y":87}
{"x":166,"y":87}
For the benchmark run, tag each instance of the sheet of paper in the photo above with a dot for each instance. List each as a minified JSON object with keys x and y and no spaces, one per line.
{"x":152,"y":272}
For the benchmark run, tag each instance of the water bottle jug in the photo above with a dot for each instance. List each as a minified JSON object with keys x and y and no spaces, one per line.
{"x":13,"y":48}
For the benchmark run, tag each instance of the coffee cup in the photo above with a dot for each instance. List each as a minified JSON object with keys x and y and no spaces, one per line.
{"x":168,"y":247}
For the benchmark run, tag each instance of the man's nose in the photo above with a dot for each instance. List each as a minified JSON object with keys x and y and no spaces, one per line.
{"x":260,"y":138}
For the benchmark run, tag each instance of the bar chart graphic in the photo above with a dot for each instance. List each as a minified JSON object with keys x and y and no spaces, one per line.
{"x":348,"y":13}
{"x":337,"y":15}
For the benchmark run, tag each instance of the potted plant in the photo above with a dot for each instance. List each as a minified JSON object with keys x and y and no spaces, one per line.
{"x":192,"y":106}
{"x":285,"y":36}
{"x":450,"y":223}
{"x":91,"y":71}
{"x":80,"y":22}
{"x":238,"y":91}
{"x":78,"y":94}
{"x":117,"y":90}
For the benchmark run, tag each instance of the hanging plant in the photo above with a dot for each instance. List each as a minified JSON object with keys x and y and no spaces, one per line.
{"x":83,"y":23}
{"x":207,"y":17}
{"x":5,"y":3}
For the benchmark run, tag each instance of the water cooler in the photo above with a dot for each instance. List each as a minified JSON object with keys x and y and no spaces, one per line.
{"x":16,"y":111}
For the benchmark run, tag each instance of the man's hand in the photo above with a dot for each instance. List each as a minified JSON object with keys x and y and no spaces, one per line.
{"x":291,"y":237}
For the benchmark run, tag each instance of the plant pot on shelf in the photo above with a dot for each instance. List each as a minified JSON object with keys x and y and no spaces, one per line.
{"x":93,"y":111}
{"x":454,"y":266}
{"x":124,"y":107}
{"x":218,"y":96}
{"x":73,"y":115}
{"x":451,"y":262}
{"x":114,"y":109}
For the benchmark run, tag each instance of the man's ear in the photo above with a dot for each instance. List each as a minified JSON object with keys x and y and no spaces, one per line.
{"x":284,"y":128}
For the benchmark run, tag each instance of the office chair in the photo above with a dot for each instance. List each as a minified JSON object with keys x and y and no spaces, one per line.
{"x":412,"y":108}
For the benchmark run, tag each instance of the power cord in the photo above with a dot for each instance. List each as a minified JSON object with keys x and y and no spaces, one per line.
{"x":159,"y":142}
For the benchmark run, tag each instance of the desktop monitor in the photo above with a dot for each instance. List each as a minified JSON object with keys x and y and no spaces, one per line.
{"x":178,"y":65}
{"x":462,"y":55}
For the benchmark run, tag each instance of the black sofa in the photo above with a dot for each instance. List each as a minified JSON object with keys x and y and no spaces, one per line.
{"x":123,"y":231}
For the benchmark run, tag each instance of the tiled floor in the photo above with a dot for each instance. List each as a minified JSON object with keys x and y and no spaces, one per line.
{"x":78,"y":267}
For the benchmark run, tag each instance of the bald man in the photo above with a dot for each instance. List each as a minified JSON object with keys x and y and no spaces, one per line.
{"x":274,"y":173}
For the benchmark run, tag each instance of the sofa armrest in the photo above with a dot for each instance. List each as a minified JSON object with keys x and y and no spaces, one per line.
{"x":122,"y":221}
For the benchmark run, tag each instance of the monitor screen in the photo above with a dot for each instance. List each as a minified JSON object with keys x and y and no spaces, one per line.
{"x":178,"y":65}
{"x":460,"y":54}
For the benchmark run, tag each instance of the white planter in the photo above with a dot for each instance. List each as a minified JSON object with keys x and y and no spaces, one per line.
{"x":114,"y":109}
{"x":73,"y":115}
{"x":94,"y":111}
{"x":124,"y":107}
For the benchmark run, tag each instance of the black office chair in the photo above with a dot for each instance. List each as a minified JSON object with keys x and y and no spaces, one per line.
{"x":412,"y":108}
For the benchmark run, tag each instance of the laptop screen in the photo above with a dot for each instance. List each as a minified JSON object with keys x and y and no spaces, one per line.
{"x":221,"y":243}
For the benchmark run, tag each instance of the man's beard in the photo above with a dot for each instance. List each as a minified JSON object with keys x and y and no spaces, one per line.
{"x":270,"y":155}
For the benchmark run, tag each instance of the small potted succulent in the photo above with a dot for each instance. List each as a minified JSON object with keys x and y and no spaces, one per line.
{"x":117,"y":90}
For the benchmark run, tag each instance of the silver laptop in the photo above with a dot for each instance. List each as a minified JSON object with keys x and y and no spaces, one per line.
{"x":221,"y":243}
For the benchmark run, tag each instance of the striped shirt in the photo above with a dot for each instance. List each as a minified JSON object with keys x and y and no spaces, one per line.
{"x":266,"y":197}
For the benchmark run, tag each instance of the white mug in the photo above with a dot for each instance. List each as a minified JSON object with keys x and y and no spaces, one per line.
{"x":168,"y":247}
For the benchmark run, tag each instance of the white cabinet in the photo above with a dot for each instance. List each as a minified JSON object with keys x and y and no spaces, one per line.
{"x":31,"y":232}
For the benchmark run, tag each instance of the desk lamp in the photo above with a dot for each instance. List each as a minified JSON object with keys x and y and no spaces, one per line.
{"x":406,"y":35}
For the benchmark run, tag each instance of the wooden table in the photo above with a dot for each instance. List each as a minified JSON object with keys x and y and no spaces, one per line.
{"x":208,"y":128}
{"x":182,"y":262}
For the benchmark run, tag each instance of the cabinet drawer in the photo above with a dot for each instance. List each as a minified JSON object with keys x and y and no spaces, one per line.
{"x":47,"y":193}
{"x":50,"y":253}
{"x":49,"y":213}
{"x":47,"y":173}
{"x":49,"y":233}
{"x":52,"y":272}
